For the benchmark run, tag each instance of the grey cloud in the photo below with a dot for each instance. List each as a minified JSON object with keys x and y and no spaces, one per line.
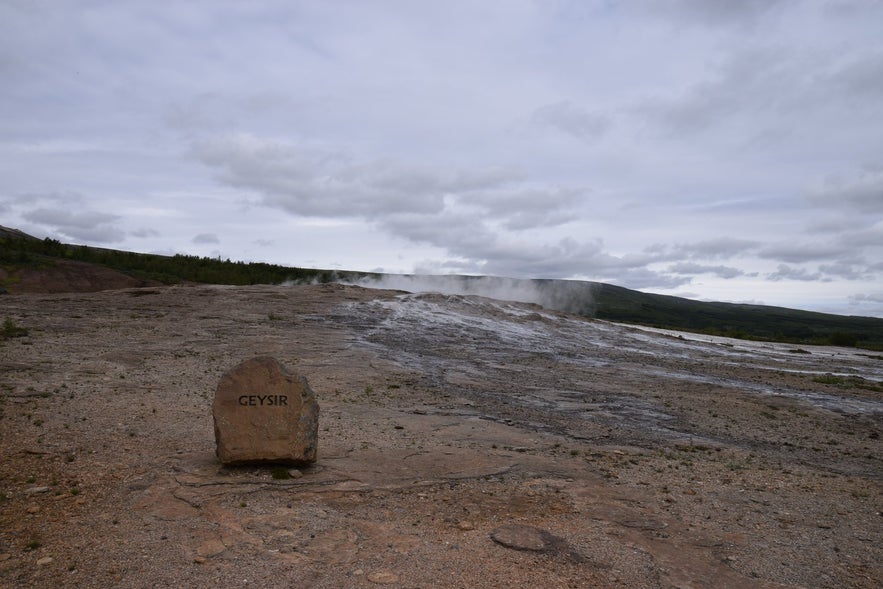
{"x":528,"y":208}
{"x":200,"y":113}
{"x":476,"y":248}
{"x":721,"y":13}
{"x":145,"y":232}
{"x":473,"y":138}
{"x":571,"y":258}
{"x":692,"y":268}
{"x":203,"y":238}
{"x":309,"y":182}
{"x":564,"y":258}
{"x":455,"y":231}
{"x":844,"y":270}
{"x":80,"y":226}
{"x":719,"y":248}
{"x":458,"y":211}
{"x":867,"y":303}
{"x":804,"y":252}
{"x":314,"y":182}
{"x":59,"y":218}
{"x":862,"y":77}
{"x":834,"y":224}
{"x":449,"y":266}
{"x":518,"y":220}
{"x":100,"y":234}
{"x":875,"y":297}
{"x":572,"y":119}
{"x":786,"y":272}
{"x":755,"y":80}
{"x":54,"y":198}
{"x":862,"y":193}
{"x":763,"y":94}
{"x":861,"y":238}
{"x":646,"y":278}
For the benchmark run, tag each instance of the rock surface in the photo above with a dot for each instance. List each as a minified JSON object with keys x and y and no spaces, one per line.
{"x":661,"y":462}
{"x":521,"y":537}
{"x":263,"y":413}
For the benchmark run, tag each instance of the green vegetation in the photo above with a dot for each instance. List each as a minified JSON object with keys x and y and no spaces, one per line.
{"x":756,"y":322}
{"x":280,"y":473}
{"x":35,"y":253}
{"x":848,"y":382}
{"x":10,"y":330}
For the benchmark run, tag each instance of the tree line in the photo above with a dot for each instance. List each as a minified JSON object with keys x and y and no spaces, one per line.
{"x":165,"y":269}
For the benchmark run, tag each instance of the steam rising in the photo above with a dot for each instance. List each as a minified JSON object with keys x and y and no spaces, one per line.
{"x":561,"y":295}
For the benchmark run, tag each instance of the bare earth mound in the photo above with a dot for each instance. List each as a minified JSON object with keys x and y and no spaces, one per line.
{"x":463,"y":442}
{"x":64,"y":276}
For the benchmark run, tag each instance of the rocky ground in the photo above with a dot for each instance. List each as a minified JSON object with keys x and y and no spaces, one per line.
{"x":463,"y":443}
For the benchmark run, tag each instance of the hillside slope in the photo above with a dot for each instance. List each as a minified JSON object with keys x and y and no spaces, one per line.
{"x":28,"y":264}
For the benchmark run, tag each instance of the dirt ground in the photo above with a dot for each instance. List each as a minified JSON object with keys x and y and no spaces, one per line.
{"x":622,"y":457}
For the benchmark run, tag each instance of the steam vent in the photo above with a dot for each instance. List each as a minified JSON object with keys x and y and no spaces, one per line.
{"x":263,"y":413}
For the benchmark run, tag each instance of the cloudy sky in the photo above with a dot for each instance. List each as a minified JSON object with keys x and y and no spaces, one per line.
{"x":714,"y":149}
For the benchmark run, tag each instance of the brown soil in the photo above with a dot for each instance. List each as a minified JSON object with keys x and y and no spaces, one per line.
{"x":59,"y":276}
{"x":597,"y":455}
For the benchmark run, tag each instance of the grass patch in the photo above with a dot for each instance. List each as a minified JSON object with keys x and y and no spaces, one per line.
{"x":11,"y":330}
{"x":280,"y":473}
{"x":848,"y":382}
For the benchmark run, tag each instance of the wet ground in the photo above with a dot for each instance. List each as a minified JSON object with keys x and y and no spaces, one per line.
{"x":593,"y":380}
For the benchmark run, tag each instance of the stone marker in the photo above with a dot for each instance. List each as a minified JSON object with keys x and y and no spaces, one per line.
{"x":263,"y":413}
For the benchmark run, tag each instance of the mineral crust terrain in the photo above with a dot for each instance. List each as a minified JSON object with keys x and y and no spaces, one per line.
{"x":463,"y":442}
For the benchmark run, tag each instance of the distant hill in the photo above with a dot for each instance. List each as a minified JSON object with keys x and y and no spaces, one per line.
{"x":28,"y":264}
{"x":8,"y":233}
{"x":762,"y":322}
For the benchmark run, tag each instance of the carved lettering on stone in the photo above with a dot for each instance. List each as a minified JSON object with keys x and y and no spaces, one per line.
{"x":264,"y":413}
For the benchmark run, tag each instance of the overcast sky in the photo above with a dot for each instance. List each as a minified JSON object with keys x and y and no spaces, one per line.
{"x":714,"y":149}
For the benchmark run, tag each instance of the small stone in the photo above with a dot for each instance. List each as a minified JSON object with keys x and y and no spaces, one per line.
{"x":383,"y":577}
{"x":465,"y":526}
{"x":295,"y":473}
{"x":199,"y":560}
{"x":33,"y":509}
{"x":358,"y":573}
{"x":36,"y":490}
{"x":212,"y":547}
{"x":44,"y":561}
{"x":263,"y":413}
{"x":521,"y":537}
